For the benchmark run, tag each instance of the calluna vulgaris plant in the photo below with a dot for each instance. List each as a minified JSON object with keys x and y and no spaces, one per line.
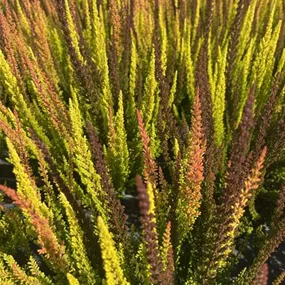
{"x":180,"y":103}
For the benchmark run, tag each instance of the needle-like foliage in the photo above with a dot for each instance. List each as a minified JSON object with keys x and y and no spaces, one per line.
{"x":170,"y":111}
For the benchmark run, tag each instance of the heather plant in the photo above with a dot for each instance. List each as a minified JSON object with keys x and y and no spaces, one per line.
{"x":177,"y":103}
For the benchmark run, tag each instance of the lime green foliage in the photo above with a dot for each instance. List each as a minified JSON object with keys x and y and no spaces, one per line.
{"x":150,"y":104}
{"x":186,"y":47}
{"x":7,"y":78}
{"x":72,"y":280}
{"x":173,"y":90}
{"x":150,"y":92}
{"x":79,"y":254}
{"x":25,"y":186}
{"x":131,"y":104}
{"x":163,"y":43}
{"x":98,"y":47}
{"x":118,"y":153}
{"x":37,"y":273}
{"x":83,"y":161}
{"x":218,"y":92}
{"x":114,"y":274}
{"x":14,"y":271}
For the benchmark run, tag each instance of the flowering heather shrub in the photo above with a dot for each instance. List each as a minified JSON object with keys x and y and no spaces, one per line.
{"x":180,"y":103}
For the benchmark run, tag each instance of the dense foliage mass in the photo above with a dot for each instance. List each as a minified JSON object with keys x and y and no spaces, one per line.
{"x":180,"y":103}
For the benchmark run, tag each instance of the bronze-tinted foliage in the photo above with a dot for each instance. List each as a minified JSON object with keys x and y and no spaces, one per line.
{"x":150,"y":235}
{"x":262,"y":276}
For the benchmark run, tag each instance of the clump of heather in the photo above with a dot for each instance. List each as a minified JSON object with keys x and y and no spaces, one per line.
{"x":178,"y":104}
